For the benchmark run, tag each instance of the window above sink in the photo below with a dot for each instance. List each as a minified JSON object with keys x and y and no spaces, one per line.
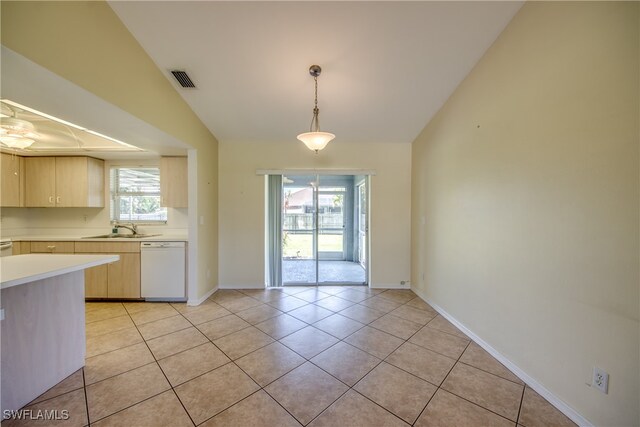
{"x":135,"y":195}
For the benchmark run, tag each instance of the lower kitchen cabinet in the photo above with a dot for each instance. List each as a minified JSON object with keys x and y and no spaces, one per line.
{"x":95,"y":282}
{"x":120,"y":279}
{"x":124,"y":277}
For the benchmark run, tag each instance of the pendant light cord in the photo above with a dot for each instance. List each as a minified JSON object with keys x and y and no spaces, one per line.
{"x":315,"y":109}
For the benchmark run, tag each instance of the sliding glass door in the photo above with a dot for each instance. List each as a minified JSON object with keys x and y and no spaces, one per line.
{"x":299,"y":231}
{"x":323,"y":241}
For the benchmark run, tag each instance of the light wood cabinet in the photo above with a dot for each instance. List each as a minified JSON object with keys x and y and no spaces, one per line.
{"x":124,"y":277}
{"x":95,"y":282}
{"x":64,"y":182}
{"x":174,"y":182}
{"x":21,"y":248}
{"x":40,"y":182}
{"x":52,"y":247}
{"x":121,"y":279}
{"x":11,"y":176}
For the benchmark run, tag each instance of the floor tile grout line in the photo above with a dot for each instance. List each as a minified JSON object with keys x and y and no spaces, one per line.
{"x":165,"y":334}
{"x":141,"y":401}
{"x":386,"y":409}
{"x":283,"y":407}
{"x":488,"y":372}
{"x":442,"y":382}
{"x":165,"y":377}
{"x":243,"y":399}
{"x":114,"y":350}
{"x":521,"y":403}
{"x":33,"y":402}
{"x":123,"y":372}
{"x":478,"y":405}
{"x":100,"y":320}
{"x":380,"y":361}
{"x":86,"y":398}
{"x":341,"y":339}
{"x":464,"y":398}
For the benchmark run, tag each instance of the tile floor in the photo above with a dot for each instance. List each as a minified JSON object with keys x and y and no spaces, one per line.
{"x":333,"y":356}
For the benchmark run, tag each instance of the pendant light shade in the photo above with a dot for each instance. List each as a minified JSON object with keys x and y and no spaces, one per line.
{"x":315,"y":139}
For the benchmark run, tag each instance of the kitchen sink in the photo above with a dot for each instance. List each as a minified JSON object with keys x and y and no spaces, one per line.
{"x":119,"y":236}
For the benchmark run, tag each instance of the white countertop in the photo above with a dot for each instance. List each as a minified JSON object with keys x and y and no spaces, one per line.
{"x":64,"y":238}
{"x":20,"y":269}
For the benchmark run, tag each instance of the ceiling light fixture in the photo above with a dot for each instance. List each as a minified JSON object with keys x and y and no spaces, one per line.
{"x":315,"y":139}
{"x":16,"y":133}
{"x":65,"y":123}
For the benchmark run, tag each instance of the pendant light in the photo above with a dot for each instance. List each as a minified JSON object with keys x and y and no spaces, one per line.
{"x":315,"y":139}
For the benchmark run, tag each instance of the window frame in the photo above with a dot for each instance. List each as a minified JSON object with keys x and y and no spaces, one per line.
{"x":115,"y":197}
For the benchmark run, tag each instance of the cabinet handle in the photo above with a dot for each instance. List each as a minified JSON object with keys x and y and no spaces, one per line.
{"x":52,"y":247}
{"x":58,"y":199}
{"x":50,"y":199}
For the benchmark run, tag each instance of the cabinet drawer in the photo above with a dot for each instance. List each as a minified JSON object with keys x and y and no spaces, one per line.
{"x":52,"y":247}
{"x":106,"y":247}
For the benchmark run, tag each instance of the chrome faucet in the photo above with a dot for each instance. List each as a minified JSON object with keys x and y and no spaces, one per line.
{"x":133,"y":228}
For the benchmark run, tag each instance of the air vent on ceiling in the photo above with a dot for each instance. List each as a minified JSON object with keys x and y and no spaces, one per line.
{"x":183,"y":78}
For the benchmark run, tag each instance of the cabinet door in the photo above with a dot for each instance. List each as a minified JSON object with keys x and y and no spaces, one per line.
{"x":95,"y":282}
{"x":40,"y":182}
{"x":52,"y":247}
{"x":124,"y":277}
{"x":71,"y":181}
{"x":95,"y":183}
{"x":174,"y":182}
{"x":10,"y":170}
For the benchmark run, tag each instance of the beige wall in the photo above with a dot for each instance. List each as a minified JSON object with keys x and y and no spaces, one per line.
{"x":525,"y":202}
{"x":85,"y":43}
{"x":242,"y":204}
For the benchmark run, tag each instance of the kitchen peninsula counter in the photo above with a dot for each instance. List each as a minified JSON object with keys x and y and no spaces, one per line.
{"x":43,"y":322}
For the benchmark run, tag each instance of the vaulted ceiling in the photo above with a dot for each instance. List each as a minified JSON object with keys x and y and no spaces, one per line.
{"x":387,"y":66}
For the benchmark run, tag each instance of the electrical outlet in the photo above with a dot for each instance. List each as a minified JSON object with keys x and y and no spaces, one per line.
{"x":600,"y":380}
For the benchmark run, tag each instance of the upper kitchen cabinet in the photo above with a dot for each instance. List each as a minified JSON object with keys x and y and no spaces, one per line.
{"x":11,"y":170}
{"x":64,"y":182}
{"x":173,"y":182}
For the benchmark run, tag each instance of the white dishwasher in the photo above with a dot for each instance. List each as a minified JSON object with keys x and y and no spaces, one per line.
{"x":162,"y":270}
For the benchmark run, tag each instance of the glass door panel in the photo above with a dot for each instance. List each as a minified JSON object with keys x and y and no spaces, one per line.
{"x":363,"y":226}
{"x":299,"y":231}
{"x":336,"y":226}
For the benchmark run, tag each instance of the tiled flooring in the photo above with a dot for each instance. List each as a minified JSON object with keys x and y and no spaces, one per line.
{"x":334,"y":356}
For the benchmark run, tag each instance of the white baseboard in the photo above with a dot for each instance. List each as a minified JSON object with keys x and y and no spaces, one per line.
{"x":390,"y":286}
{"x":252,"y":286}
{"x":528,"y":380}
{"x":193,"y":302}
